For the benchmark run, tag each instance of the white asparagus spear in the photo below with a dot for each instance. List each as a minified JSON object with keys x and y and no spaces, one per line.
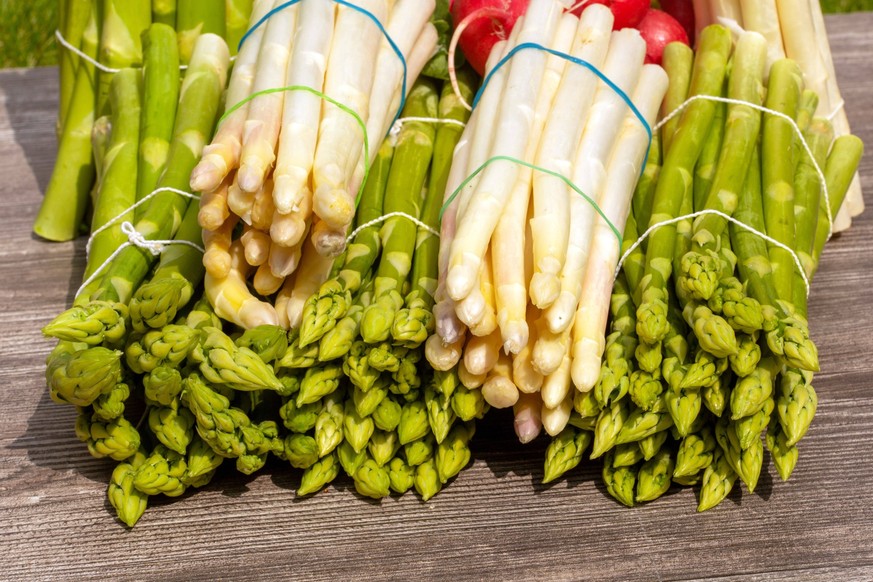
{"x":240,"y":201}
{"x":448,"y":326}
{"x":487,"y":322}
{"x":312,"y":271}
{"x":405,"y":26}
{"x":442,"y":356}
{"x":302,"y":113}
{"x":727,"y":12}
{"x":216,"y":245}
{"x":468,"y":379}
{"x":423,"y":50}
{"x":222,"y":155}
{"x":231,"y":297}
{"x":551,"y":221}
{"x":289,"y":229}
{"x":262,"y":207}
{"x":481,"y":353}
{"x":548,"y":352}
{"x":524,"y":375}
{"x":528,"y":417}
{"x":213,"y":208}
{"x":264,"y":120}
{"x":498,"y":389}
{"x":512,"y":132}
{"x":556,"y":419}
{"x":624,"y":168}
{"x":623,"y":65}
{"x":284,"y":260}
{"x":508,"y":241}
{"x":557,"y":385}
{"x":265,"y":282}
{"x":349,"y":80}
{"x":854,"y":201}
{"x":762,"y":17}
{"x":256,"y":244}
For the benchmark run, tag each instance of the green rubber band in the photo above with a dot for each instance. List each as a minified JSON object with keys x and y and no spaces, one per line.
{"x":573,"y":186}
{"x":330,"y":100}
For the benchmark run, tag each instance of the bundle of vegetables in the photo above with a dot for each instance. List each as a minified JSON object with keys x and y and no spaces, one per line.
{"x":709,"y":347}
{"x":526,"y":261}
{"x":115,"y":33}
{"x":794,"y":29}
{"x":316,"y":86}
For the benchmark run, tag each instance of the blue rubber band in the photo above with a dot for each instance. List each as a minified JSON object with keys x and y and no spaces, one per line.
{"x":578,"y":61}
{"x":363,"y":11}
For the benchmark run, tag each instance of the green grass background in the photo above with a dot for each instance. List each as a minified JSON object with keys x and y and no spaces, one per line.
{"x":27,"y":27}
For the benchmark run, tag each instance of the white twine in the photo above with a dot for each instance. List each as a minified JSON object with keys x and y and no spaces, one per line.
{"x":75,"y":50}
{"x":381,"y":219}
{"x":730,"y":219}
{"x":134,"y":237}
{"x":398,"y":125}
{"x":135,"y":205}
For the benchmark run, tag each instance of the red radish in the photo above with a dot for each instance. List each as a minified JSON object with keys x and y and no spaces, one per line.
{"x":683,"y":12}
{"x":659,"y":29}
{"x":627,"y":13}
{"x":481,"y":23}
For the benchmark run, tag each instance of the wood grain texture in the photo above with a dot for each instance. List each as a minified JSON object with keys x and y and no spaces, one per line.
{"x":496,"y":520}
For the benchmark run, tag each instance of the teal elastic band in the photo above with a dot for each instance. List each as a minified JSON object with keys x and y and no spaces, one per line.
{"x":573,"y":186}
{"x":330,"y":100}
{"x":578,"y":61}
{"x":363,"y":11}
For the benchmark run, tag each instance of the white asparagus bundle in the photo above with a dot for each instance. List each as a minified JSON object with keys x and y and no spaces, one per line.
{"x":511,"y":135}
{"x":316,"y":47}
{"x":624,"y":168}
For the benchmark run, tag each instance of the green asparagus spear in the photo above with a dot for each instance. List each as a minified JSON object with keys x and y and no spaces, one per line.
{"x":718,"y":480}
{"x":653,"y":479}
{"x":619,"y":481}
{"x":173,"y":427}
{"x":565,"y":452}
{"x":316,"y":477}
{"x":195,"y":18}
{"x":77,"y":374}
{"x":162,"y":472}
{"x":223,"y":362}
{"x":116,"y":439}
{"x":128,"y":501}
{"x":372,"y":480}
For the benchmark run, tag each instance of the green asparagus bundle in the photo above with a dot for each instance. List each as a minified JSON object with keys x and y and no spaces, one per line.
{"x":718,"y":361}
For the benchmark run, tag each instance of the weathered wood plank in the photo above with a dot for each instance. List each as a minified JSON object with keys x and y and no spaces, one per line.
{"x":495,"y":520}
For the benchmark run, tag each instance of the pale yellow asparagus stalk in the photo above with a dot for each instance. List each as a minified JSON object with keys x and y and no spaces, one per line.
{"x":550,"y":224}
{"x":328,"y":240}
{"x":312,"y":271}
{"x":289,"y":229}
{"x":303,"y":109}
{"x":481,"y":353}
{"x":508,"y":240}
{"x":216,"y":244}
{"x":264,"y":115}
{"x":263,"y":211}
{"x":442,"y":356}
{"x":524,"y":375}
{"x":622,"y":173}
{"x":231,"y":297}
{"x":349,"y":80}
{"x":265,"y":282}
{"x":468,"y":379}
{"x":512,"y":131}
{"x":222,"y":155}
{"x":256,"y":244}
{"x":557,"y":385}
{"x":487,"y":323}
{"x":498,"y":388}
{"x":762,"y":17}
{"x":556,"y":419}
{"x":240,"y":201}
{"x":213,"y":208}
{"x":284,"y":260}
{"x":549,"y":350}
{"x":623,"y":64}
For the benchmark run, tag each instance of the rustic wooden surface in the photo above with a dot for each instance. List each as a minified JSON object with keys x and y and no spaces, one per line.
{"x":495,"y":520}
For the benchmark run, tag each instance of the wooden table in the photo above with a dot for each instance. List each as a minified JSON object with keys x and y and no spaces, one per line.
{"x":496,"y":520}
